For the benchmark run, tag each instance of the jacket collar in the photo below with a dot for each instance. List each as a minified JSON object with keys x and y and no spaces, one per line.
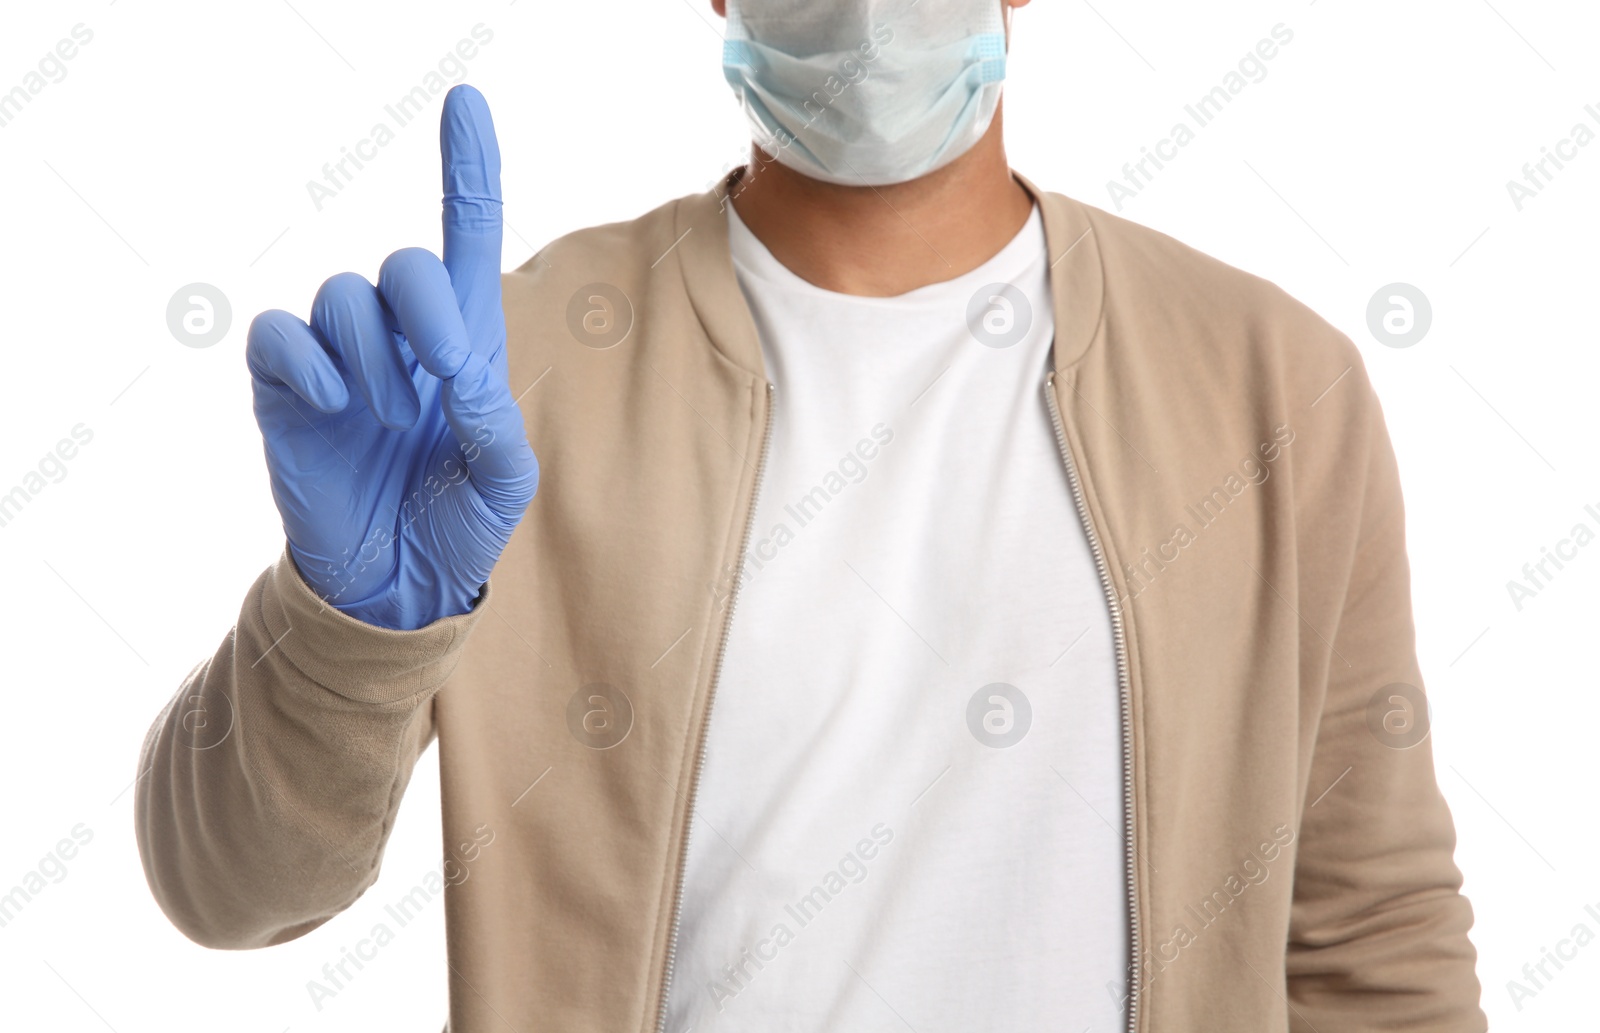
{"x":1077,"y":276}
{"x":700,"y":228}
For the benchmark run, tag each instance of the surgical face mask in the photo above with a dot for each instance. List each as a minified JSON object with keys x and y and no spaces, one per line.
{"x":866,"y":92}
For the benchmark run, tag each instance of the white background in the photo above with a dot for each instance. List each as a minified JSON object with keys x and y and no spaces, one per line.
{"x":177,"y":149}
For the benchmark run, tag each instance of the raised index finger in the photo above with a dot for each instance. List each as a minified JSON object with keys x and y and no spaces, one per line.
{"x":470,"y":156}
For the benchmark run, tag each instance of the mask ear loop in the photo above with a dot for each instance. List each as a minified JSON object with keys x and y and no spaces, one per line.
{"x":1006,"y":4}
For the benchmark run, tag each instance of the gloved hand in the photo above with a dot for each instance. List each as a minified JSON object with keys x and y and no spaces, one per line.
{"x":398,"y":457}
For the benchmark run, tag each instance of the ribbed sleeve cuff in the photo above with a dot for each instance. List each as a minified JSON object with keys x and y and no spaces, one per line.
{"x":360,"y":661}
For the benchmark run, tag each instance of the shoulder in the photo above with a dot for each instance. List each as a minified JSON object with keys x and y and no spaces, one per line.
{"x":1169,"y":306}
{"x":1146,"y":267}
{"x":614,"y":251}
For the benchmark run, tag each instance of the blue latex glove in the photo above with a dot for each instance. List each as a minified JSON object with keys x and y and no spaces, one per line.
{"x":398,"y":457}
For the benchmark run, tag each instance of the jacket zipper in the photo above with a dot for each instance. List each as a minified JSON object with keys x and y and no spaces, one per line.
{"x":1125,"y":693}
{"x":705,"y":720}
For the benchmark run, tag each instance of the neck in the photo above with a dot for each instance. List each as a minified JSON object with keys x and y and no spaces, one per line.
{"x":886,"y":240}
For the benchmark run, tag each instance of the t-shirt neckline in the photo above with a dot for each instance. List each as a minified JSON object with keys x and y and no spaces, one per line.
{"x":752,"y":258}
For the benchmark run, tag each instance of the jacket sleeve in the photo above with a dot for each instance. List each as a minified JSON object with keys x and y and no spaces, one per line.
{"x":268,"y":785}
{"x":1378,"y":928}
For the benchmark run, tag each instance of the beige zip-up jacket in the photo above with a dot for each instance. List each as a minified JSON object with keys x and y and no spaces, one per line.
{"x":1289,"y":853}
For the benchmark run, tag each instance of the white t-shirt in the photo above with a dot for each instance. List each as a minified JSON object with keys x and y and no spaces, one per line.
{"x":918,"y":580}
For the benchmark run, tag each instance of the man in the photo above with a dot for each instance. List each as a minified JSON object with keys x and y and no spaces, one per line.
{"x":947,"y":606}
